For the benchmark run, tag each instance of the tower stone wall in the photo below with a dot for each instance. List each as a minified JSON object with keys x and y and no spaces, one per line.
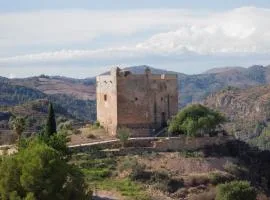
{"x":141,"y":102}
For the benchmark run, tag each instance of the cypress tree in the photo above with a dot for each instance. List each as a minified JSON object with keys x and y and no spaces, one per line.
{"x":51,"y":123}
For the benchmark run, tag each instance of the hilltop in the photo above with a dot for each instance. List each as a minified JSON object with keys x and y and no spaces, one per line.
{"x":83,"y":89}
{"x":192,"y":88}
{"x":224,"y":69}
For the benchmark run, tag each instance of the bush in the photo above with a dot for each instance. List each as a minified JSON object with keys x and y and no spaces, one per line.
{"x":195,"y":120}
{"x":91,"y":136}
{"x":128,"y":163}
{"x":96,"y":124}
{"x":235,"y":170}
{"x":236,"y":190}
{"x":123,"y":135}
{"x":217,"y":178}
{"x":138,"y":173}
{"x":39,"y":172}
{"x":208,"y":195}
{"x":18,"y":125}
{"x":195,"y":180}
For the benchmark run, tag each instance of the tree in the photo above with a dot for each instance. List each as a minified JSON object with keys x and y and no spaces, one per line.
{"x":51,"y":123}
{"x":40,"y":172}
{"x":195,"y":120}
{"x":18,"y":125}
{"x":236,"y":190}
{"x":123,"y":135}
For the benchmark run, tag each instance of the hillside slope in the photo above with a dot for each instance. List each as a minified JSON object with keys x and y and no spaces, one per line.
{"x":13,"y":95}
{"x":244,"y":108}
{"x":192,"y":88}
{"x":83,"y":89}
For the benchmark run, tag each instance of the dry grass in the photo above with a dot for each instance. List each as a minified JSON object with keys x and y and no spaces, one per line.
{"x":90,"y":134}
{"x":206,"y":195}
{"x":177,"y":164}
{"x":196,"y":179}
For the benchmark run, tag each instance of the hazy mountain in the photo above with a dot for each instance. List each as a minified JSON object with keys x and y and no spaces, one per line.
{"x":83,"y":89}
{"x":141,"y":69}
{"x":224,"y":69}
{"x":192,"y":88}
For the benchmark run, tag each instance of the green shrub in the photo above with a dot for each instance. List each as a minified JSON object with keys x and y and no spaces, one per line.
{"x":195,"y":180}
{"x":91,"y":136}
{"x":235,"y":170}
{"x":128,"y":163}
{"x":196,"y":120}
{"x":236,"y":190}
{"x":138,"y":173}
{"x":39,"y":172}
{"x":123,"y":135}
{"x":217,"y":178}
{"x":96,"y":124}
{"x":190,"y":154}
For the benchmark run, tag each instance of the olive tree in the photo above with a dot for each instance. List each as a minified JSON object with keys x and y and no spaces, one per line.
{"x":195,"y":120}
{"x":17,"y":124}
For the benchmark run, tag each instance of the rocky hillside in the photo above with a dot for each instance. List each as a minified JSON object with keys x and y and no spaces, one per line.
{"x":244,"y":108}
{"x":194,"y":88}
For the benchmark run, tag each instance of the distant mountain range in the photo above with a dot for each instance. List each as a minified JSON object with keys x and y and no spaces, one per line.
{"x":192,"y":88}
{"x":243,"y":94}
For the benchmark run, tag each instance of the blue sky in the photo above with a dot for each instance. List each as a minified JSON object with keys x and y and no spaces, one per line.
{"x":29,"y":5}
{"x":84,"y":38}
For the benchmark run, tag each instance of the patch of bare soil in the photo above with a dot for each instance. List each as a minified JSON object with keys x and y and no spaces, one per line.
{"x":88,"y":135}
{"x":178,"y":164}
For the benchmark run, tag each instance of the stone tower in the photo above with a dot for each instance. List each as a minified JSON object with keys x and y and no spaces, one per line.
{"x":141,"y":102}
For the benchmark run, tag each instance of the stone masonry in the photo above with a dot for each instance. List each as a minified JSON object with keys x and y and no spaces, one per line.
{"x":141,"y":102}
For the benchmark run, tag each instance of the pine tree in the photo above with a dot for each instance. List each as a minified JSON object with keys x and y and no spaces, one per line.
{"x":51,"y":123}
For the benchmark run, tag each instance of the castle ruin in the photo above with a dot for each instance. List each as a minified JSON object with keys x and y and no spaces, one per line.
{"x":141,"y":102}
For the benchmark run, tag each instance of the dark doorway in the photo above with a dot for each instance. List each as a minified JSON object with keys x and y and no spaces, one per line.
{"x":163,"y":119}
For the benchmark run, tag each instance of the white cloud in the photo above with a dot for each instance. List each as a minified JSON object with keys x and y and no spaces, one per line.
{"x":176,"y":32}
{"x":69,"y":26}
{"x":243,"y":30}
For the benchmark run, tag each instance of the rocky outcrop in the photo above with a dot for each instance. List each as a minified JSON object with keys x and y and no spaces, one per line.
{"x":244,"y":108}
